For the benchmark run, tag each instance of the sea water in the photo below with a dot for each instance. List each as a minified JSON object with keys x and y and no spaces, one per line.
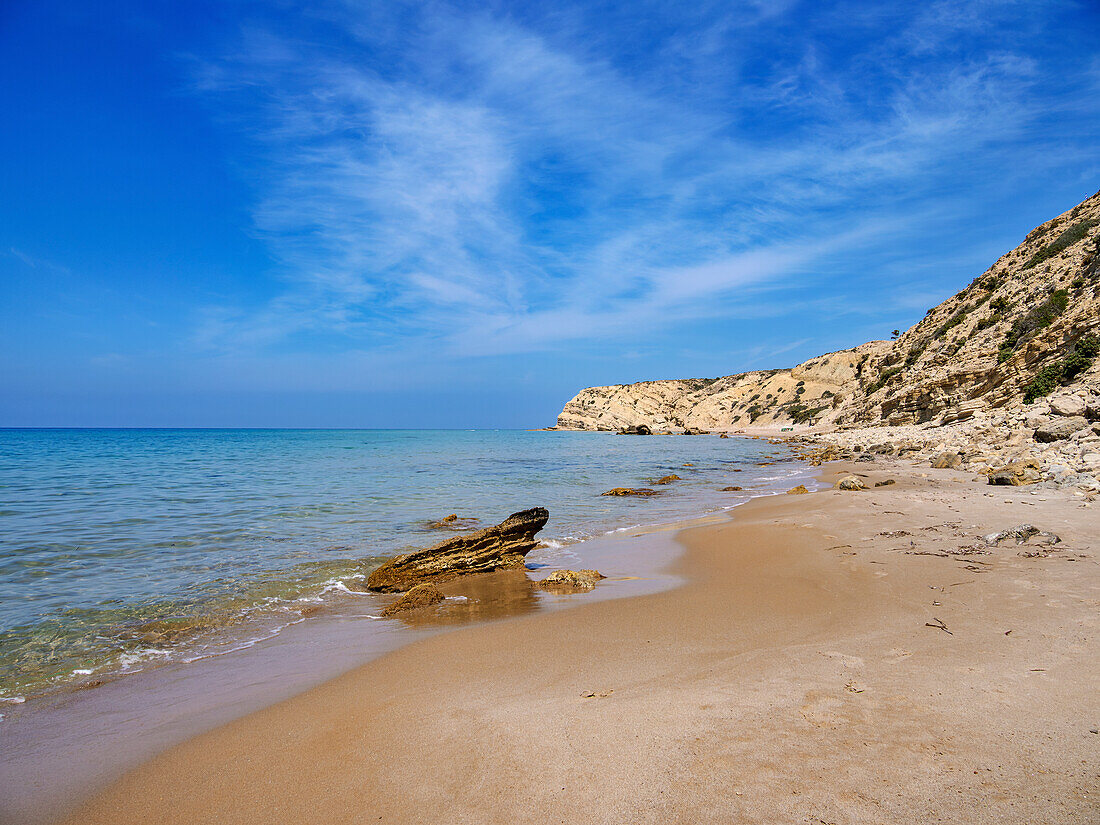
{"x":122,"y":549}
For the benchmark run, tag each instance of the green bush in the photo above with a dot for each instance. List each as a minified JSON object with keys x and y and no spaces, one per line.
{"x":800,"y":413}
{"x":1063,"y":242}
{"x":1040,"y":317}
{"x":1077,"y":360}
{"x":754,"y":412}
{"x":883,"y":378}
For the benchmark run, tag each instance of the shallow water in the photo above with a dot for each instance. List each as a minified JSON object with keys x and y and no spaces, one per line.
{"x":125,"y":548}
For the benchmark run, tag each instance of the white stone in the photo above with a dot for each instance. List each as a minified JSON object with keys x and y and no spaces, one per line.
{"x":1067,"y":405}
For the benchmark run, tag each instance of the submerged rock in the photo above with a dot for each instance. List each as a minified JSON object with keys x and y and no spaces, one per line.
{"x":850,"y":483}
{"x":630,"y":491}
{"x":667,"y":479}
{"x":798,"y":491}
{"x":731,"y":489}
{"x":493,"y":548}
{"x":566,"y":580}
{"x":453,"y":522}
{"x":423,"y":595}
{"x":1016,"y":474}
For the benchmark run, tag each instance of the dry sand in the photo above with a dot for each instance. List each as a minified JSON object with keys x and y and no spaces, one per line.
{"x":792,"y":679}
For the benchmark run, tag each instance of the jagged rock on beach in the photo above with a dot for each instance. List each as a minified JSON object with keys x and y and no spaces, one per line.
{"x":885,"y":483}
{"x":423,"y":595}
{"x":636,"y":429}
{"x":1022,"y":534}
{"x":851,"y":483}
{"x":947,"y":461}
{"x":1068,"y":405}
{"x":566,"y":580}
{"x":630,"y":491}
{"x":498,"y":547}
{"x":1060,"y":428}
{"x":1016,"y":474}
{"x":798,"y":491}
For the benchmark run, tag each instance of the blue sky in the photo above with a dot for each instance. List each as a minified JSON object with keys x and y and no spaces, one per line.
{"x":458,"y":214}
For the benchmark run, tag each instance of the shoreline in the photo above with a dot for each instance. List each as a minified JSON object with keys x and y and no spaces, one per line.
{"x":795,"y":666}
{"x":59,"y":738}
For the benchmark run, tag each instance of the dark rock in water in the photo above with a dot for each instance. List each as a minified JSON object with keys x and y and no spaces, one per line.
{"x":667,"y":479}
{"x":731,"y":490}
{"x":636,"y":429}
{"x":723,"y":435}
{"x":886,"y":483}
{"x":494,"y":548}
{"x":1059,"y":429}
{"x":453,"y":522}
{"x":564,"y":581}
{"x":1016,"y":474}
{"x":798,"y":491}
{"x":630,"y":491}
{"x":423,"y":595}
{"x":947,"y":461}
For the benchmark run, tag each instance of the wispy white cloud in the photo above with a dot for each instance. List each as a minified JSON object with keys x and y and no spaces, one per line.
{"x":463,"y":183}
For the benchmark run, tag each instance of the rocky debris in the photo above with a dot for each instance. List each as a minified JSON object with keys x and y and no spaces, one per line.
{"x":422,"y":595}
{"x":1068,"y":405}
{"x":1060,"y":428}
{"x":885,"y":483}
{"x":731,"y":489}
{"x":1022,"y":534}
{"x":798,"y":491}
{"x":498,"y":547}
{"x":850,"y":483}
{"x":571,"y":580}
{"x":667,"y":479}
{"x":1017,"y":474}
{"x":690,"y":431}
{"x":947,"y":461}
{"x":630,"y":491}
{"x":636,"y":429}
{"x":723,"y":435}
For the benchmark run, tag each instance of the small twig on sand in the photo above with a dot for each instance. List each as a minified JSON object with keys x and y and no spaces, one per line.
{"x":939,"y":625}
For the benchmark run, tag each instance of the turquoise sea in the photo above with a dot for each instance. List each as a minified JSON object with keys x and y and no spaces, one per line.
{"x":120,"y":549}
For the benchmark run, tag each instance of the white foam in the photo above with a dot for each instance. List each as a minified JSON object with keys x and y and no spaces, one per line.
{"x":82,"y":671}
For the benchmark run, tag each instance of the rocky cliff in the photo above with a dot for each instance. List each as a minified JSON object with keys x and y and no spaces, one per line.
{"x":1025,"y":328}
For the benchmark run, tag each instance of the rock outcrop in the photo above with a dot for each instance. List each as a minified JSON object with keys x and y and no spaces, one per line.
{"x":423,"y":595}
{"x":499,"y":547}
{"x":630,"y":491}
{"x":992,"y":374}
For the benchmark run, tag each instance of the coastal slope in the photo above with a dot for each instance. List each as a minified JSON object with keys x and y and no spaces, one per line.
{"x":1021,"y":330}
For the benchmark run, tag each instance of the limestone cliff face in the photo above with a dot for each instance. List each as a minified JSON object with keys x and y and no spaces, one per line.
{"x":1020,"y":330}
{"x":720,"y":403}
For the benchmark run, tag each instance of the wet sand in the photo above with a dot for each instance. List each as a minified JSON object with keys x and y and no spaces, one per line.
{"x":793,"y":678}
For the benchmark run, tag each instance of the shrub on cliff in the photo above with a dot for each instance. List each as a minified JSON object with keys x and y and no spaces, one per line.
{"x":1077,"y":360}
{"x":1038,"y":317}
{"x":1064,"y":241}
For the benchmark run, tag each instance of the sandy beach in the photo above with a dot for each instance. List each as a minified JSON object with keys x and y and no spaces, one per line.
{"x":832,"y":657}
